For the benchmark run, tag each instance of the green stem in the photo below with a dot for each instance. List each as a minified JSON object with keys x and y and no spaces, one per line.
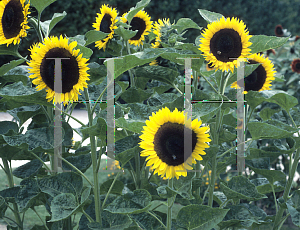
{"x":209,"y":83}
{"x":129,"y":71}
{"x":110,"y":188}
{"x":157,"y":219}
{"x":77,"y":170}
{"x":93,"y":110}
{"x":94,"y":163}
{"x":223,"y":154}
{"x":90,"y":219}
{"x":73,"y":107}
{"x":169,"y":213}
{"x":37,"y":157}
{"x":198,"y":175}
{"x":251,"y":111}
{"x":274,"y":195}
{"x":195,"y":80}
{"x":44,"y":223}
{"x":75,"y":119}
{"x":287,"y":190}
{"x":10,"y":220}
{"x":177,"y":89}
{"x":212,"y":181}
{"x":137,"y":170}
{"x":11,"y":185}
{"x":46,"y":113}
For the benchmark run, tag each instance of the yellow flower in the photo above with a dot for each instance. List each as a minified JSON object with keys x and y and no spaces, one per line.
{"x":224,"y":41}
{"x":163,"y":143}
{"x":105,"y":22}
{"x":13,"y":23}
{"x":140,"y":22}
{"x":260,"y":79}
{"x":74,"y":70}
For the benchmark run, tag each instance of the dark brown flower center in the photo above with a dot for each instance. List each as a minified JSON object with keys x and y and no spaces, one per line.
{"x":69,"y":69}
{"x":298,"y":65}
{"x":226,"y":45}
{"x":12,"y":18}
{"x":169,"y":143}
{"x":106,"y":23}
{"x":255,"y":80}
{"x":139,"y":25}
{"x":278,"y":31}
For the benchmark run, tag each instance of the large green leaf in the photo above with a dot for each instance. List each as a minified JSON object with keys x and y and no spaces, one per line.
{"x":183,"y":186}
{"x":3,"y":206}
{"x":261,"y":130}
{"x":271,"y":175}
{"x":62,"y":206}
{"x":126,"y":34}
{"x":166,"y":192}
{"x":29,"y":169}
{"x":159,"y":73}
{"x":131,"y":125}
{"x":200,"y":217}
{"x":294,"y":214}
{"x":116,"y":189}
{"x":93,"y":36}
{"x":48,"y":25}
{"x":147,"y":221}
{"x":240,"y":187}
{"x":134,"y":10}
{"x":6,"y":67}
{"x":263,"y":186}
{"x":26,"y":95}
{"x":67,"y":182}
{"x":185,"y":23}
{"x":82,"y":162}
{"x":40,"y":5}
{"x":133,"y":95}
{"x":281,"y":98}
{"x":209,"y":16}
{"x":134,"y":202}
{"x":22,"y":114}
{"x":29,"y":194}
{"x":9,"y":50}
{"x":262,"y":43}
{"x":97,"y":129}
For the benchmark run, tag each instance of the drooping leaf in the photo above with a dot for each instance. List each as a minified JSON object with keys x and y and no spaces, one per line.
{"x":262,"y":43}
{"x":185,"y":23}
{"x":209,"y":16}
{"x":93,"y":36}
{"x":62,"y":206}
{"x":40,"y":5}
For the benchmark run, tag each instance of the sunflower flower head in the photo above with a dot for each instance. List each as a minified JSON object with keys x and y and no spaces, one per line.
{"x":105,"y":22}
{"x":74,"y":68}
{"x":224,"y":41}
{"x":140,"y":22}
{"x":161,"y":29}
{"x":13,"y":23}
{"x":260,"y":79}
{"x":296,"y":65}
{"x":163,"y":143}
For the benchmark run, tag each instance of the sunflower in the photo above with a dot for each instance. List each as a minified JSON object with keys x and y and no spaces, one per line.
{"x":224,"y":41}
{"x":296,"y":65}
{"x":163,"y":143}
{"x":160,"y":28}
{"x":209,"y":67}
{"x":140,"y":22}
{"x":260,"y":79}
{"x":105,"y":22}
{"x":279,"y":31}
{"x":74,"y":70}
{"x":13,"y":23}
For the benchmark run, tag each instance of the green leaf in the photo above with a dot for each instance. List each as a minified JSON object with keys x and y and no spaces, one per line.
{"x":205,"y":111}
{"x":67,"y":182}
{"x":134,"y":10}
{"x":185,"y":23}
{"x":29,"y":169}
{"x":6,"y":126}
{"x":240,"y":187}
{"x":267,"y":113}
{"x":271,"y":175}
{"x":281,"y":98}
{"x":262,"y":43}
{"x":200,"y":217}
{"x":40,"y":5}
{"x":126,"y":34}
{"x":294,"y":214}
{"x":160,"y":73}
{"x":131,"y":125}
{"x":183,"y":186}
{"x":97,"y":129}
{"x":82,"y":162}
{"x":3,"y":207}
{"x":12,"y":78}
{"x":22,"y":114}
{"x":48,"y":25}
{"x":28,"y":195}
{"x":164,"y":209}
{"x":263,"y":186}
{"x":127,"y":155}
{"x":210,"y":16}
{"x":62,"y":206}
{"x":86,"y":52}
{"x":147,"y":221}
{"x":116,"y":189}
{"x":6,"y":67}
{"x":134,"y":202}
{"x":10,"y":194}
{"x":133,"y":95}
{"x":94,"y":35}
{"x":9,"y":50}
{"x":261,"y":130}
{"x":166,"y":192}
{"x":97,"y":72}
{"x":296,"y":199}
{"x":219,"y":197}
{"x":26,"y":95}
